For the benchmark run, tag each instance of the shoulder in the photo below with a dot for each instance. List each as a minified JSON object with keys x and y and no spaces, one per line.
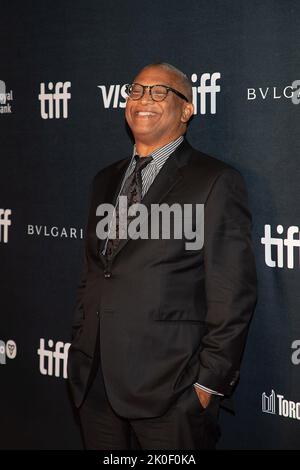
{"x":207,"y":169}
{"x":198,"y":160}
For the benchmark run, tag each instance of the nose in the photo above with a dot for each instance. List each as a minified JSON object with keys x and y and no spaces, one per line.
{"x":146,"y":98}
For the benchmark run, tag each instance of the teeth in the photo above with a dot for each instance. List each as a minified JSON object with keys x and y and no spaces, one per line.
{"x":145,"y":113}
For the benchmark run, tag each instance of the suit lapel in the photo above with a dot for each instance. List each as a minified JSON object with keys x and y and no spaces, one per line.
{"x":114,"y":182}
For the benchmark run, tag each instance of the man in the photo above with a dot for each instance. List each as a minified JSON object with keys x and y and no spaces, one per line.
{"x":159,"y":329}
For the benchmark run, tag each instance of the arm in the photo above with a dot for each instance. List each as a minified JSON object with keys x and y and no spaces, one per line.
{"x":78,"y":313}
{"x":230,"y":282}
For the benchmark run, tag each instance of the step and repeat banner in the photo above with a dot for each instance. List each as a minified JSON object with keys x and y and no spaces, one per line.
{"x":62,"y":75}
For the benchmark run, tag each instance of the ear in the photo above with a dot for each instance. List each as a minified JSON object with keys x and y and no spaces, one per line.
{"x":187,"y":111}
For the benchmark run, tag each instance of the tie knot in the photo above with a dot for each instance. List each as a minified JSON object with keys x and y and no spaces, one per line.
{"x":141,"y":162}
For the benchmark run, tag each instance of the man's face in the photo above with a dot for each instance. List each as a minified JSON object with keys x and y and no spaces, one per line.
{"x":157,"y":122}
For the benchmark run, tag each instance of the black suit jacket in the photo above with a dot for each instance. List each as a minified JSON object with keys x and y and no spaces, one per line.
{"x":167,"y":317}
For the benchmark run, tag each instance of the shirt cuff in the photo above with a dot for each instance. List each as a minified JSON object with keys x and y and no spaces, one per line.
{"x":213,"y":392}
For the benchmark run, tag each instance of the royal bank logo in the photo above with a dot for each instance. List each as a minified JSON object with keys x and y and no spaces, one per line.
{"x":5,"y":222}
{"x":54,"y":100}
{"x":205,"y":90}
{"x":6,"y":99}
{"x":295,"y":356}
{"x":276,"y":404}
{"x":284,"y":250}
{"x":53,"y":359}
{"x":8,"y":350}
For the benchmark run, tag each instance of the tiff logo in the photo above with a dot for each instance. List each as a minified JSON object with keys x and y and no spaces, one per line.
{"x":2,"y":92}
{"x":278,"y":243}
{"x":53,"y":360}
{"x":5,"y":222}
{"x":53,"y":101}
{"x":268,"y":403}
{"x":114,"y":96}
{"x":8,"y":350}
{"x":207,"y":88}
{"x":6,"y":99}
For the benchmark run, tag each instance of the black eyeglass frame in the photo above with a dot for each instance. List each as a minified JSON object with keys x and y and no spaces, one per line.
{"x":168,"y":88}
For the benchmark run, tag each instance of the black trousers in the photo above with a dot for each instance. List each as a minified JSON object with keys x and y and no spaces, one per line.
{"x":185,"y":426}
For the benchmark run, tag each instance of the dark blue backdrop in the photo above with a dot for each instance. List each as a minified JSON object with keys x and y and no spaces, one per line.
{"x":47,"y":164}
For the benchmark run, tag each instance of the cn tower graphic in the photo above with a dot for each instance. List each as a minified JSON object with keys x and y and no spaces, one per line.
{"x":268,"y":403}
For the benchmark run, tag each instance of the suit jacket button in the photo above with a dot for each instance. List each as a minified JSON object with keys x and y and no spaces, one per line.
{"x":97,"y":314}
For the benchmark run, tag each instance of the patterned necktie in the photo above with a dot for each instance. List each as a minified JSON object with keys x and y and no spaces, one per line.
{"x":132,"y":189}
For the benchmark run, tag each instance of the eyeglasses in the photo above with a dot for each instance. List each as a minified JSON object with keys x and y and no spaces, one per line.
{"x":135,"y":91}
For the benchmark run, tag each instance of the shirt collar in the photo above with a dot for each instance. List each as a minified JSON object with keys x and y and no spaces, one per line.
{"x":161,"y":154}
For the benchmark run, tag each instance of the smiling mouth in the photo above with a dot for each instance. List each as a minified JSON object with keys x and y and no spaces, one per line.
{"x":145,"y":114}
